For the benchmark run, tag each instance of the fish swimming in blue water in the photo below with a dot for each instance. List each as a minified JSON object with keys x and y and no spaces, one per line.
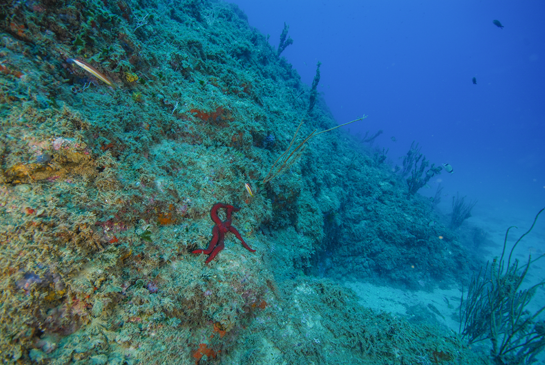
{"x":448,"y":168}
{"x":497,"y":23}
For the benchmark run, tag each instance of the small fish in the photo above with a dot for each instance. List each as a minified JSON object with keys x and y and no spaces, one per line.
{"x":249,"y":189}
{"x":393,"y":139}
{"x":497,"y":23}
{"x":431,"y":224}
{"x":93,"y":71}
{"x":474,"y":81}
{"x":448,"y":168}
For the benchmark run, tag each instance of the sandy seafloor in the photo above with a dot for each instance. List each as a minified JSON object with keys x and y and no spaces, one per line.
{"x":446,"y":301}
{"x":396,"y":301}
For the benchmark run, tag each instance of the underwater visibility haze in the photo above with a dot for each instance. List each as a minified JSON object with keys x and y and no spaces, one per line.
{"x":272,"y":182}
{"x":410,"y":66}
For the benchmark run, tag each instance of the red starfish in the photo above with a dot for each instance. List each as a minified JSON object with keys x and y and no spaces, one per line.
{"x":219,"y":231}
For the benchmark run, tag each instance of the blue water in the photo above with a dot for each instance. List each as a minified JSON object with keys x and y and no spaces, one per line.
{"x":409,"y":66}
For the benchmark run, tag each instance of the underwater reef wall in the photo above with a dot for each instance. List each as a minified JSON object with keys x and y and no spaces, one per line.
{"x":122,"y":124}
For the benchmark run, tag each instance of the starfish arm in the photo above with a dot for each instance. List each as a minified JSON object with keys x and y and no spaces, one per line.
{"x":235,"y":232}
{"x":213,"y":242}
{"x":214,"y":212}
{"x":216,"y":250}
{"x":230,"y":209}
